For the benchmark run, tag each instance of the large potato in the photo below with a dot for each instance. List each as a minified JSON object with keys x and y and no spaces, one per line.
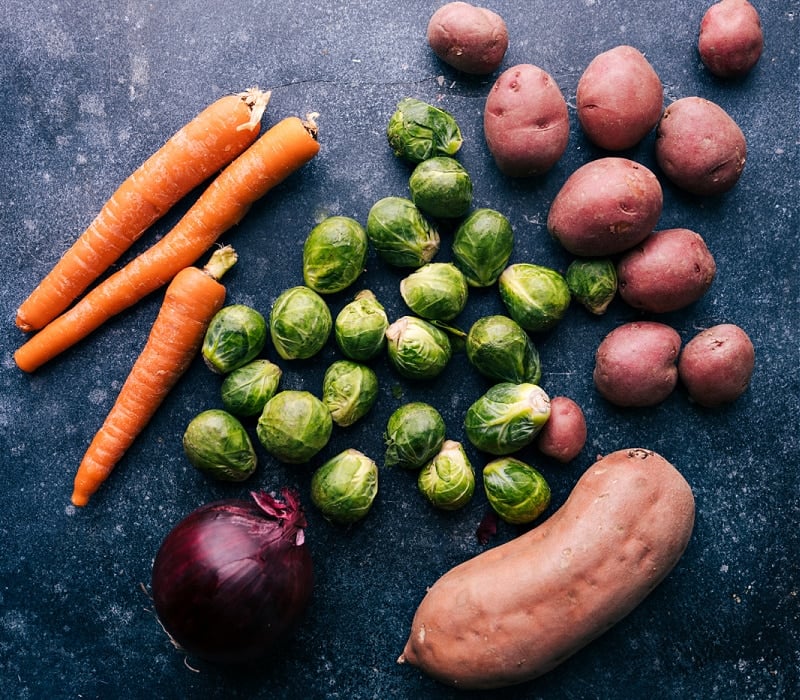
{"x":636,"y":364}
{"x":731,"y":39}
{"x":619,"y":98}
{"x":716,"y":365}
{"x":518,"y":610}
{"x":699,"y":146}
{"x":667,"y":271}
{"x":525,"y":121}
{"x":471,"y":39}
{"x":605,"y":207}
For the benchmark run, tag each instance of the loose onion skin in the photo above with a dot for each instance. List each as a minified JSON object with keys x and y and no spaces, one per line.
{"x":234,"y":577}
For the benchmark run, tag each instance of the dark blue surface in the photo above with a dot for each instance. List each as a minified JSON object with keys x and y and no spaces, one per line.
{"x":89,"y":92}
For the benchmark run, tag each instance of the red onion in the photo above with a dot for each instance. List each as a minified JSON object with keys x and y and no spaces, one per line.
{"x":233,"y":578}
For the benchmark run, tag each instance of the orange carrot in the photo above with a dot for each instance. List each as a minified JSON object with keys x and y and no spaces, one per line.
{"x":198,"y":150}
{"x":191,"y":300}
{"x":280,"y":151}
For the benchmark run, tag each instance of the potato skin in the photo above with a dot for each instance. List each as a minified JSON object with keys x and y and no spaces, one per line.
{"x":564,"y":434}
{"x":731,"y":39}
{"x":605,"y":207}
{"x":619,"y":98}
{"x":471,"y":39}
{"x":516,"y":611}
{"x":636,"y":364}
{"x":699,"y":146}
{"x":525,"y":121}
{"x":716,"y":365}
{"x":667,"y":271}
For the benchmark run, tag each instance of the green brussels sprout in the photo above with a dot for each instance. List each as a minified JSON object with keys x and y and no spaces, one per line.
{"x":507,"y":417}
{"x":360,"y":327}
{"x":448,"y":480}
{"x":236,"y":335}
{"x":294,"y":426}
{"x":435,"y":291}
{"x":334,"y":254}
{"x":217,"y":444}
{"x":245,"y":390}
{"x":482,"y":246}
{"x":516,"y":491}
{"x":593,"y":283}
{"x":414,"y":435}
{"x":400,"y":234}
{"x":499,"y":348}
{"x":345,"y":487}
{"x":349,"y":390}
{"x":418,"y":131}
{"x":416,"y":348}
{"x":441,"y":187}
{"x":300,"y":323}
{"x":536,"y":297}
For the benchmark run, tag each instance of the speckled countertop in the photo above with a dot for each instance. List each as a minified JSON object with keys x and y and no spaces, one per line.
{"x":90,"y":90}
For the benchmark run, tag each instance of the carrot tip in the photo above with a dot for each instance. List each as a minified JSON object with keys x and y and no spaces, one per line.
{"x":257,"y":100}
{"x":79,"y":499}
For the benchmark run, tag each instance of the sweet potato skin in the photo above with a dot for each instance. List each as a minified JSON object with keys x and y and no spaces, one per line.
{"x":516,"y":611}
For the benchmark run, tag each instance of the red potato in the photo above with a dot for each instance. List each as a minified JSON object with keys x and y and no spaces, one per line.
{"x":564,"y":434}
{"x":717,"y":364}
{"x":731,"y":38}
{"x":605,"y":207}
{"x":619,"y":98}
{"x":667,"y":271}
{"x":636,"y":364}
{"x":525,"y":121}
{"x":700,"y":148}
{"x":471,"y":39}
{"x":518,"y":610}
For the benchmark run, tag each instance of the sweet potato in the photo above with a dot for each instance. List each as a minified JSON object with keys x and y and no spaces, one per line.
{"x":516,"y":611}
{"x":605,"y":207}
{"x":731,"y":39}
{"x":564,"y":434}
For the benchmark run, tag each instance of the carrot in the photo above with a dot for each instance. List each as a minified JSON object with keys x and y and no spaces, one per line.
{"x":198,"y":150}
{"x":191,"y":300}
{"x":274,"y":156}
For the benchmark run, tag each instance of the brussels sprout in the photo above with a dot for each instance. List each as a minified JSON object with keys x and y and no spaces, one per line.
{"x":246,"y":389}
{"x":417,"y":348}
{"x":448,"y":480}
{"x":299,"y":323}
{"x":418,"y":131}
{"x":360,"y":327}
{"x":516,"y":491}
{"x":499,"y":348}
{"x":217,"y":444}
{"x":507,"y":417}
{"x":400,"y":234}
{"x":294,"y":426}
{"x":349,"y":390}
{"x":345,"y":487}
{"x":435,"y":291}
{"x":414,"y":435}
{"x":536,"y":297}
{"x":482,"y":246}
{"x":334,"y":254}
{"x":593,"y":283}
{"x":441,"y":187}
{"x":236,"y":335}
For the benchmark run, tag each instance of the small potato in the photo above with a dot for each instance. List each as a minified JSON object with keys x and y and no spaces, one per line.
{"x":716,"y":365}
{"x":667,"y":271}
{"x":731,"y":39}
{"x":564,"y":434}
{"x":605,"y":207}
{"x":471,"y":39}
{"x":700,"y":148}
{"x":636,"y":364}
{"x":525,"y":121}
{"x":619,"y":98}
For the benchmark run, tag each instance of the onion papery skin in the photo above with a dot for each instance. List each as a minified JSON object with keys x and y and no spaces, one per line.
{"x":232,"y":580}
